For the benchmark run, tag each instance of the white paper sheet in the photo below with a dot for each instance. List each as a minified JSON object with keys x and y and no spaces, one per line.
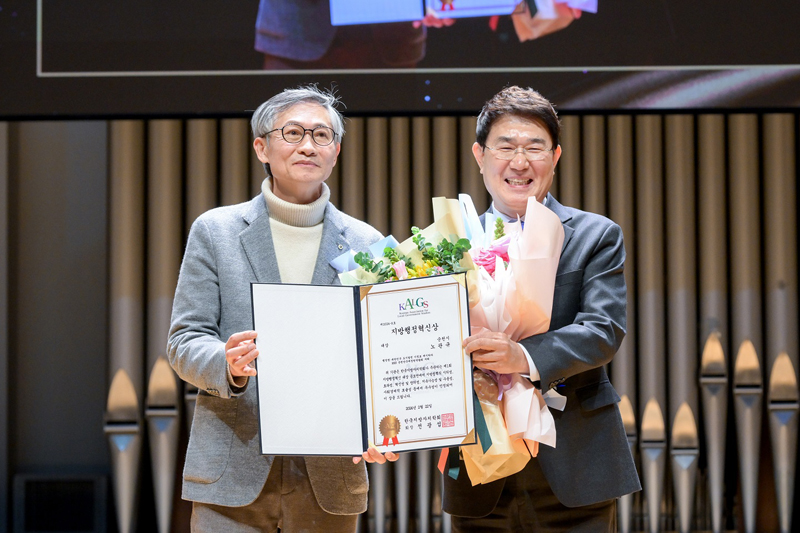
{"x":308,"y":380}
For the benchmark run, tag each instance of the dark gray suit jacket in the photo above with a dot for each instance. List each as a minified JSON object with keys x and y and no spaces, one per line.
{"x":592,"y":461}
{"x":228,"y":248}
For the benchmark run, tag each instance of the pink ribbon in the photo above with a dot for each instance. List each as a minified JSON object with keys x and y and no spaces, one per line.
{"x":504,"y":382}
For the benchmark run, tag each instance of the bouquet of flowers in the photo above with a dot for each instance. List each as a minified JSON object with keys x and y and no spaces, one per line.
{"x":511,"y":271}
{"x":441,"y":248}
{"x":514,"y":281}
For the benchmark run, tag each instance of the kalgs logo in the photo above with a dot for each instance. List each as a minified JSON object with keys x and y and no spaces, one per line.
{"x":410,"y":305}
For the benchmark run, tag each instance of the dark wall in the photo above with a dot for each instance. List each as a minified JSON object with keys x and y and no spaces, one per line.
{"x":57,"y":297}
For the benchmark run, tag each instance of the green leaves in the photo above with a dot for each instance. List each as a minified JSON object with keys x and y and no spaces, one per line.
{"x":392,"y":255}
{"x":449,"y":254}
{"x":444,"y":258}
{"x":446,"y":254}
{"x":499,"y":228}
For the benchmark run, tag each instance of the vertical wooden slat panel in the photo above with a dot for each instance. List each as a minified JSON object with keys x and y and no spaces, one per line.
{"x":201,"y":167}
{"x":163,"y":229}
{"x":713,"y":304}
{"x":335,"y":181}
{"x":400,"y":180}
{"x":745,"y":229}
{"x":650,"y":273}
{"x":126,"y":315}
{"x":163,"y":262}
{"x":681,"y":303}
{"x":234,"y":161}
{"x":621,"y":210}
{"x":593,"y":130}
{"x":4,"y":255}
{"x":421,"y":171}
{"x":780,"y":234}
{"x":681,"y":261}
{"x":567,"y":183}
{"x":471,"y":179}
{"x":126,"y":268}
{"x":445,"y":155}
{"x":745,"y":238}
{"x":377,"y":184}
{"x":257,"y":173}
{"x":352,"y":171}
{"x":713,"y":228}
{"x":650,"y":278}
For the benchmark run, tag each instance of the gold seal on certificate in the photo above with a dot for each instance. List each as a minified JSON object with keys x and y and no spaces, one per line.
{"x":389,"y":428}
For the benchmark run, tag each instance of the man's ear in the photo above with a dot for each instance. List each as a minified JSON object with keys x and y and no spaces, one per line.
{"x":477,"y":151}
{"x":260,"y":146}
{"x":338,"y":149}
{"x":556,"y":155}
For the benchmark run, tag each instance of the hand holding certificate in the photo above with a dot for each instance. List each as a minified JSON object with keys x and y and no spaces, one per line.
{"x":369,"y":366}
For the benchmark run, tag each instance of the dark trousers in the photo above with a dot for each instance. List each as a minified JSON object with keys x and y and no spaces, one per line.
{"x":527,"y":504}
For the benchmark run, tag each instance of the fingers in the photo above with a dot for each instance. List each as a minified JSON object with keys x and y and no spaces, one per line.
{"x":372,"y":455}
{"x":496,"y":351}
{"x":238,"y":338}
{"x":486,"y":340}
{"x":241,"y":352}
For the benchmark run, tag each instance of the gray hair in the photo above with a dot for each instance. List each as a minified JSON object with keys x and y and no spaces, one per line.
{"x":264,"y":117}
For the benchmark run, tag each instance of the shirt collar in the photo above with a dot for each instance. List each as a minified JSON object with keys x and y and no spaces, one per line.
{"x":507,"y":218}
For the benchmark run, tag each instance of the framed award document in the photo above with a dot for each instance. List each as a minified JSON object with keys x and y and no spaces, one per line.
{"x":342,"y":368}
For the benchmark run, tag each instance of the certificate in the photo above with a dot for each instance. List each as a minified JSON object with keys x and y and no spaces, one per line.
{"x":342,"y":368}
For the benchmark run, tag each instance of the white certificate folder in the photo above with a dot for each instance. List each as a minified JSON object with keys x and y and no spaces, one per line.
{"x":342,"y":368}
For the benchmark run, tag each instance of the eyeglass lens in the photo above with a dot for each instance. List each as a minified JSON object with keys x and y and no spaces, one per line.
{"x":293,"y":134}
{"x":508,"y":153}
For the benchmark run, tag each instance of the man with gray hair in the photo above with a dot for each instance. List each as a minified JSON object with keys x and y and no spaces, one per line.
{"x":287,"y":234}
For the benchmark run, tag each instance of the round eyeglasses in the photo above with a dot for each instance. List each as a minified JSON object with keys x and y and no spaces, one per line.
{"x":294,"y":133}
{"x":507,"y":153}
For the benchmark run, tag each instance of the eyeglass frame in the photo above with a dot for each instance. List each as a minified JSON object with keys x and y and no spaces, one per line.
{"x":526,"y":153}
{"x":309,"y":130}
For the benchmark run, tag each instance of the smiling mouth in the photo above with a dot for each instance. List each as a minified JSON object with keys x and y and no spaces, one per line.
{"x":518,"y":182}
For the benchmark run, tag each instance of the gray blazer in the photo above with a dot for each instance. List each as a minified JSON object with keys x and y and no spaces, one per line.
{"x":592,"y":461}
{"x":228,"y":248}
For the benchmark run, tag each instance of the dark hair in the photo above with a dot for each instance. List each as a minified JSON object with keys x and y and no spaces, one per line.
{"x":519,"y":102}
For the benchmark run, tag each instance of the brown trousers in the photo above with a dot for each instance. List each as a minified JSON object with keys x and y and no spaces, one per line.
{"x":286,"y":503}
{"x":527,"y":504}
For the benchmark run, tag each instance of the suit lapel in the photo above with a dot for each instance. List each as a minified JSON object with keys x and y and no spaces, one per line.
{"x":331,"y":246}
{"x":563,"y":215}
{"x":257,"y":242}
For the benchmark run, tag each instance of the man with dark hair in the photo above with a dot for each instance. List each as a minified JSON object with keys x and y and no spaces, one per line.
{"x":289,"y":233}
{"x":574,"y":486}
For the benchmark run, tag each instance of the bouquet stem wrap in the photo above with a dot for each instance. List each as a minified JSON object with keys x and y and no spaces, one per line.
{"x":517,"y":300}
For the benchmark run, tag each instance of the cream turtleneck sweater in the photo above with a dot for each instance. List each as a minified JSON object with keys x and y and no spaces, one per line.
{"x":296,"y":233}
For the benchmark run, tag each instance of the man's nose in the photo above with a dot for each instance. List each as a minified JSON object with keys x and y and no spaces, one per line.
{"x":519,"y":160}
{"x":307,"y":143}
